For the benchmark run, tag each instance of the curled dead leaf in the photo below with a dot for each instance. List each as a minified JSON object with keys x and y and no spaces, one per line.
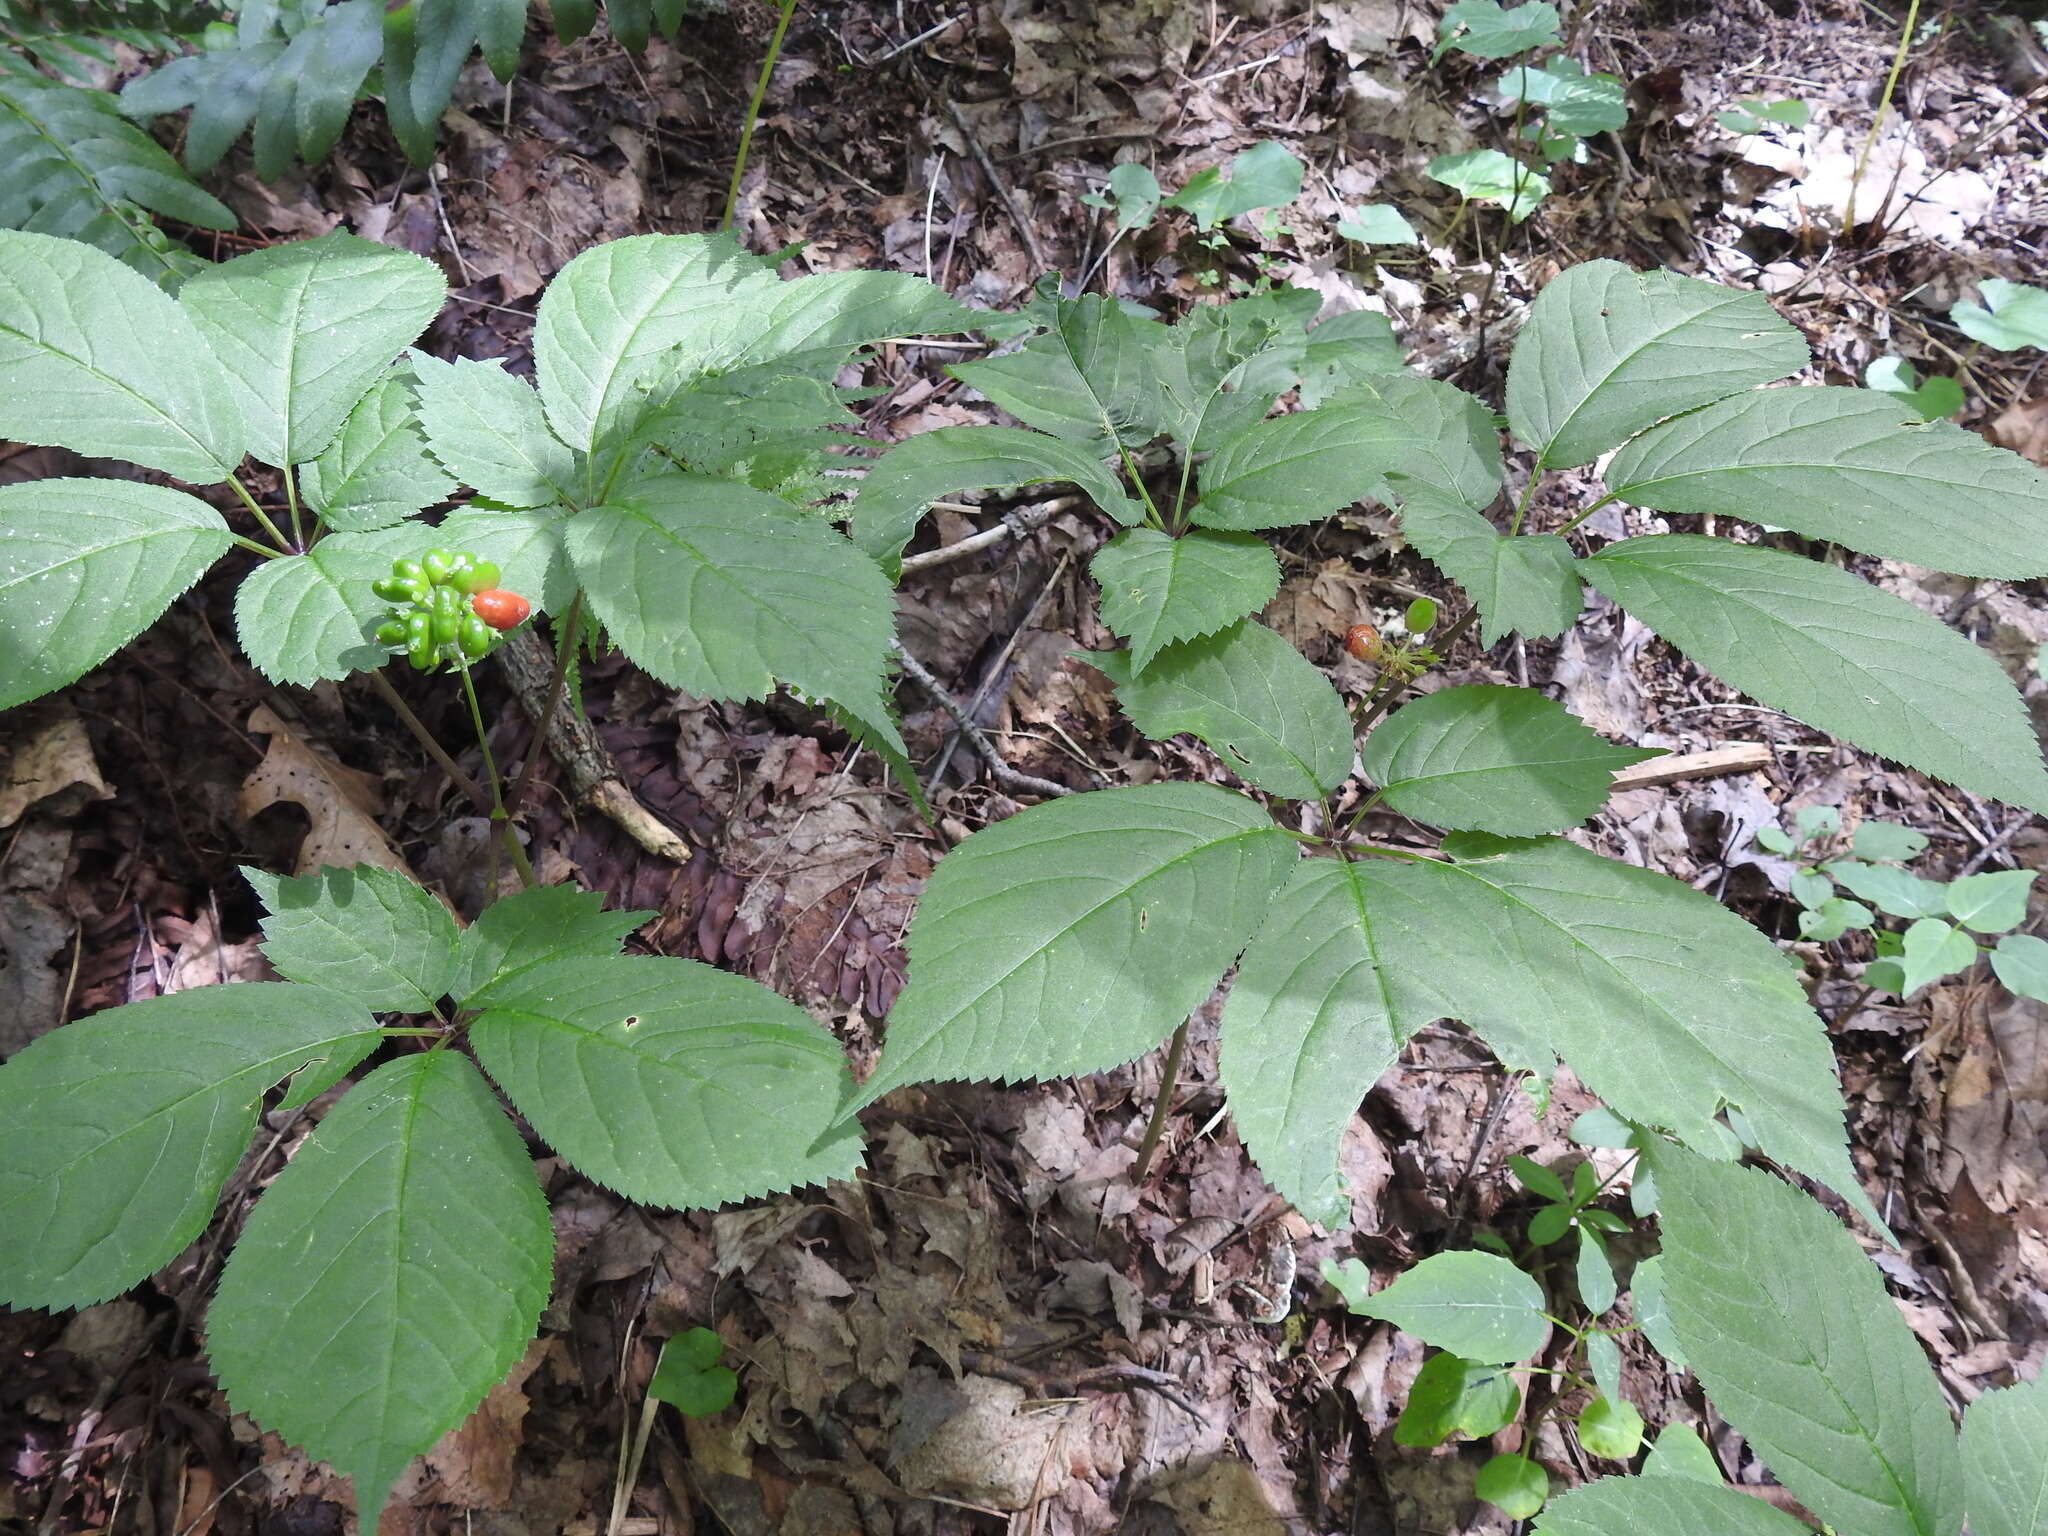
{"x":341,"y":803}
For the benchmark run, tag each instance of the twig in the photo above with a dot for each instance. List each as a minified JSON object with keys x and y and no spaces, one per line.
{"x":909,"y":42}
{"x":998,"y":767}
{"x":1169,"y":1077}
{"x":1002,"y":190}
{"x":995,"y":668}
{"x":1015,"y":525}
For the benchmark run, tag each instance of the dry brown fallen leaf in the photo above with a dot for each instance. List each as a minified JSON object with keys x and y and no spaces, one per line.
{"x":341,"y":802}
{"x":56,"y":759}
{"x":2024,"y":429}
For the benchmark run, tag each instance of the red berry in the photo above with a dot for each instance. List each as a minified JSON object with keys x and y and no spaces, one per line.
{"x":1363,"y":641}
{"x":500,"y":609}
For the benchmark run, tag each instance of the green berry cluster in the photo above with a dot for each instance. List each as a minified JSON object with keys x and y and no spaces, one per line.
{"x":432,"y":620}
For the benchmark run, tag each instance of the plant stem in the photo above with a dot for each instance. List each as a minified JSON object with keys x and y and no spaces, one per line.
{"x":1884,"y":103}
{"x":566,"y":632}
{"x":1522,"y":505}
{"x":284,"y":545}
{"x":1386,"y":700}
{"x":462,"y":781}
{"x":291,"y":500}
{"x":1568,"y":527}
{"x":1169,"y":1075}
{"x":500,"y":822}
{"x":739,"y":163}
{"x":256,"y":549}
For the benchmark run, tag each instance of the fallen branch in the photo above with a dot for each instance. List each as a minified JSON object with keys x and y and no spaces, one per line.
{"x":998,"y":766}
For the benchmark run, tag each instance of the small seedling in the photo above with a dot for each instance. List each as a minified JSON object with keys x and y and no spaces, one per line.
{"x":2012,"y":316}
{"x":1935,"y":397}
{"x":1756,"y":115}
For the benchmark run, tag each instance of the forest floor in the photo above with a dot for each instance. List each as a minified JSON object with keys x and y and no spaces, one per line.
{"x":996,"y":1329}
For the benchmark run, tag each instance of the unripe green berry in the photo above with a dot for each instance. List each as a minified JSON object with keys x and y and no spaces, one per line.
{"x":391,"y":632}
{"x":476,"y":638}
{"x":478,"y":578}
{"x":439,"y":564}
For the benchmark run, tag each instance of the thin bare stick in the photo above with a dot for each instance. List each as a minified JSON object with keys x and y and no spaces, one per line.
{"x":1169,"y":1076}
{"x":478,"y":795}
{"x":1002,"y":190}
{"x":1015,"y":525}
{"x":566,"y":629}
{"x":998,"y":767}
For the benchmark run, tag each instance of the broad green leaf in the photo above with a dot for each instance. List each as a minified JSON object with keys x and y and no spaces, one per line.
{"x":1933,"y":949}
{"x":1891,"y":891}
{"x":96,"y":358}
{"x":1832,"y":918}
{"x":308,"y":618}
{"x":1610,"y":1429}
{"x":1446,"y":439}
{"x":377,"y":471}
{"x":1137,"y":195}
{"x":1788,"y":1327}
{"x":389,"y":1277}
{"x":1851,"y":465}
{"x":1679,"y":1452}
{"x":1595,"y":1274}
{"x":1156,"y":589}
{"x":1834,"y":651}
{"x":1819,"y":820}
{"x":532,"y":927}
{"x":2021,"y":962}
{"x":1607,"y":352}
{"x":689,"y":1378}
{"x":723,"y":590}
{"x":1492,"y":759}
{"x":2005,"y":1474}
{"x":762,"y":425}
{"x":1993,"y":902}
{"x":668,"y":1081}
{"x":1268,"y":175}
{"x":1661,"y":1000}
{"x":1074,"y":936}
{"x":1307,"y":1031}
{"x":1653,"y":1316}
{"x":527,"y":548}
{"x":303,"y":330}
{"x":1486,"y":30}
{"x":923,"y":469}
{"x":1377,"y":224}
{"x":1092,"y":380}
{"x":117,"y":1132}
{"x":488,"y":428}
{"x":1527,"y":585}
{"x":1512,"y":1484}
{"x":1456,"y":1397}
{"x":1936,"y":398}
{"x":1667,"y":1505}
{"x":1576,"y":104}
{"x":1478,"y":1306}
{"x":1269,"y":716}
{"x":1885,"y":841}
{"x":85,"y":567}
{"x":1536,"y":1178}
{"x":1225,"y":364}
{"x":2012,"y":315}
{"x":1493,"y":177}
{"x":1345,"y":349}
{"x":366,"y":931}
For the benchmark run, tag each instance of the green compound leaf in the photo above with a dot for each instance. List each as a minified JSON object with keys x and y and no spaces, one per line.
{"x":1668,"y":1505}
{"x":1484,"y":29}
{"x":533,"y":927}
{"x":1611,"y":1429}
{"x":488,"y":428}
{"x":1156,"y":589}
{"x":117,"y":1132}
{"x":2021,"y":963}
{"x":1226,"y":364}
{"x":1456,"y":1397}
{"x":1661,"y":1000}
{"x":1855,"y":466}
{"x":303,"y":330}
{"x":1269,"y":716}
{"x":1072,"y":937}
{"x":723,"y":590}
{"x":1307,"y":1030}
{"x":1836,"y":652}
{"x":1092,"y":380}
{"x":1993,"y":902}
{"x":390,"y":1276}
{"x":366,"y":931}
{"x":377,"y":471}
{"x":1788,"y":1327}
{"x":85,"y":567}
{"x":1345,"y":350}
{"x":1478,"y":1306}
{"x":307,"y":618}
{"x":96,"y":358}
{"x":2005,"y":1476}
{"x":1607,"y":352}
{"x":1491,"y":759}
{"x":668,"y":1081}
{"x":920,"y":470}
{"x":527,"y":548}
{"x":2012,"y":315}
{"x":1493,"y":177}
{"x":1527,"y":585}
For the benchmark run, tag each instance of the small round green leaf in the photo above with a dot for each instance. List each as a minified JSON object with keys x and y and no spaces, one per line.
{"x":2021,"y":962}
{"x":1611,"y":1427}
{"x":1514,"y":1485}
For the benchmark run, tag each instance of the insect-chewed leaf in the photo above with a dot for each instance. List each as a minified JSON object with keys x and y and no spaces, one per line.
{"x":377,"y":471}
{"x":907,"y":479}
{"x":1075,"y":935}
{"x":1835,"y":651}
{"x":2005,"y":1475}
{"x":1664,"y":1002}
{"x":117,"y":1132}
{"x":307,"y":618}
{"x":86,"y":566}
{"x":303,"y":330}
{"x":1490,"y":759}
{"x":366,"y":931}
{"x":1092,"y":379}
{"x":1307,"y":1030}
{"x":1607,"y":352}
{"x":489,"y":429}
{"x":1788,"y":1327}
{"x":1259,"y":704}
{"x":390,"y":1276}
{"x":1855,"y":466}
{"x":667,"y":1080}
{"x":1478,"y":1306}
{"x":1527,"y":585}
{"x":1671,"y":1506}
{"x":1156,"y":589}
{"x":98,"y":359}
{"x":530,"y":928}
{"x":723,"y":590}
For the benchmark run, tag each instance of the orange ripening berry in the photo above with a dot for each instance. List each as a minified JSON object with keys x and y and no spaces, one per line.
{"x":498,"y":608}
{"x":1363,"y":641}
